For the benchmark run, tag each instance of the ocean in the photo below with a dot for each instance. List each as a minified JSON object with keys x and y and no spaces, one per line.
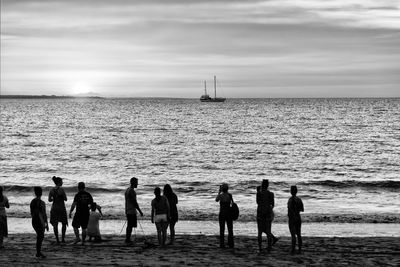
{"x":343,"y":154}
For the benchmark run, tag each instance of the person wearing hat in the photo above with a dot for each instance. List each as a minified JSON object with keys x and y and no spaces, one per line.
{"x":225,"y":199}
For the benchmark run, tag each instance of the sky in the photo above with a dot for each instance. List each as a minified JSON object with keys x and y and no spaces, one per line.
{"x":163,"y":48}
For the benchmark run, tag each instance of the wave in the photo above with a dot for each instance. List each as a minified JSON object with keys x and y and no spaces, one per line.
{"x":243,"y":186}
{"x":67,"y":189}
{"x":383,"y":184}
{"x":196,"y":215}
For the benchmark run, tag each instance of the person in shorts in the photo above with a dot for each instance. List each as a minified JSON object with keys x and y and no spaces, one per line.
{"x":160,"y":215}
{"x":265,"y":214}
{"x":131,"y":208}
{"x":82,"y":201}
{"x":295,"y":206}
{"x":39,"y":220}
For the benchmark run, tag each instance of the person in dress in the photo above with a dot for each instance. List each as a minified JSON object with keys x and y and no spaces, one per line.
{"x":265,"y":214}
{"x":82,"y":202}
{"x":39,"y":219}
{"x":295,"y":206}
{"x":3,"y":217}
{"x":131,"y":208}
{"x":93,"y":229}
{"x":173,"y":201}
{"x":160,"y":215}
{"x":58,"y":212}
{"x":225,"y":200}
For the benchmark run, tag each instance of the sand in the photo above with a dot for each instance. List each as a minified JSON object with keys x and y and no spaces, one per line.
{"x":202,"y":250}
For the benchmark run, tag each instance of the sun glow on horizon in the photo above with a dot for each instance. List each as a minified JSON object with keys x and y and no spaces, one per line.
{"x":80,"y":88}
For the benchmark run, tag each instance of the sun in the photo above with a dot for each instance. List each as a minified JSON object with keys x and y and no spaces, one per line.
{"x":80,"y":88}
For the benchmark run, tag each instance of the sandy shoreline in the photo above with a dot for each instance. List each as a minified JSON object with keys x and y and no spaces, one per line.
{"x":117,"y":227}
{"x":202,"y":250}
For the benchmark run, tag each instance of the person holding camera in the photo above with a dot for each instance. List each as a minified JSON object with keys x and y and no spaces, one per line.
{"x":225,"y":199}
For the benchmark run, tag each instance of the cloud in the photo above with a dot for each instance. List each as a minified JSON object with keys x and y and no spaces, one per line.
{"x":257,"y":45}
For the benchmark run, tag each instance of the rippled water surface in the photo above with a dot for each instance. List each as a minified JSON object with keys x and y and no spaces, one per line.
{"x":344,"y":154}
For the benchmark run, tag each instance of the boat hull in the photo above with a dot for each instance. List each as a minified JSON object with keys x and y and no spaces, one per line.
{"x":218,"y":99}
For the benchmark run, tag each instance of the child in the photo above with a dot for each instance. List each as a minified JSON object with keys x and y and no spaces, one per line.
{"x":295,"y":206}
{"x":39,"y":220}
{"x":93,"y":229}
{"x":3,"y":216}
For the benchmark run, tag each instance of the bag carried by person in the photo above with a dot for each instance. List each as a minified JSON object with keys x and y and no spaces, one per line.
{"x":234,"y":211}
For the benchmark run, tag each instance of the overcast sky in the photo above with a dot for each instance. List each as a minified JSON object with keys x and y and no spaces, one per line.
{"x":276,"y":48}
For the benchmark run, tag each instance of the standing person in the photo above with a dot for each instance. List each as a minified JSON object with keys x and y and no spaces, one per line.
{"x":82,"y":202}
{"x":295,"y":206}
{"x":58,"y":212}
{"x":160,"y":214}
{"x":3,"y":217}
{"x":265,"y":214}
{"x":173,"y":201}
{"x":93,"y":229}
{"x":131,"y":208}
{"x":225,"y":199}
{"x":39,"y":219}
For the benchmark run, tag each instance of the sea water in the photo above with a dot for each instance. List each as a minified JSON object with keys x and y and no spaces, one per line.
{"x":343,"y":154}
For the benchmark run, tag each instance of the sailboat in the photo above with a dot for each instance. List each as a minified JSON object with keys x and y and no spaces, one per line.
{"x":207,"y":98}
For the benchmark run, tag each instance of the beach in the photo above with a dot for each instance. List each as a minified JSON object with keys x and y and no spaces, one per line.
{"x":203,"y":250}
{"x":197,"y":244}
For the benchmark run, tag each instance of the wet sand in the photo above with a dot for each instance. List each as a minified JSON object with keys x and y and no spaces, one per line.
{"x":202,"y":250}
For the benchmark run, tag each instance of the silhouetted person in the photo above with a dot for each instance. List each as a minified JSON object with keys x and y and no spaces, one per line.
{"x":131,"y":208}
{"x":225,"y":199}
{"x":58,"y":212}
{"x":265,"y":214}
{"x":295,"y":206}
{"x":160,"y":214}
{"x":93,"y":229}
{"x":173,"y":201}
{"x":3,"y":217}
{"x":39,"y":219}
{"x":82,"y":202}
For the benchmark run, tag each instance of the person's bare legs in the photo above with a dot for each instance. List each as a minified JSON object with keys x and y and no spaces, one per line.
{"x":83,"y":235}
{"x":259,"y":239}
{"x":164,"y":226}
{"x":55,"y":228}
{"x":63,"y":231}
{"x":172,"y":230}
{"x":76,"y":232}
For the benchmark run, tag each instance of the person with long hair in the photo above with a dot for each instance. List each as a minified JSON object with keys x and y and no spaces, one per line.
{"x":225,"y":199}
{"x":58,"y":212}
{"x":173,"y":201}
{"x":3,"y":217}
{"x":160,"y":215}
{"x":39,"y":219}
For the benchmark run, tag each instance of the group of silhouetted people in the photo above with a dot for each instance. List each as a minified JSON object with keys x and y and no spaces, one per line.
{"x":265,"y":216}
{"x":164,"y":214}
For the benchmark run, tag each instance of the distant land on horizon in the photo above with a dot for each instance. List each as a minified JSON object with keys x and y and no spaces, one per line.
{"x":132,"y":97}
{"x":46,"y":96}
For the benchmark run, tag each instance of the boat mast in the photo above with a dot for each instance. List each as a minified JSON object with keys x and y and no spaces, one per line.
{"x":215,"y":86}
{"x":205,"y":88}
